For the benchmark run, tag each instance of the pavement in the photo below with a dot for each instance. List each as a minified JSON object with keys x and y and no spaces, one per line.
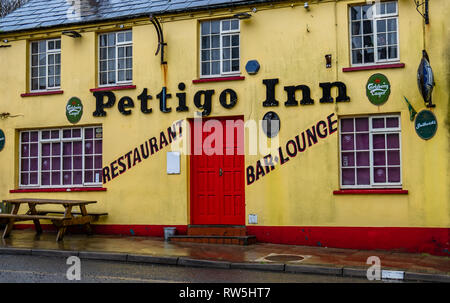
{"x":259,"y":256}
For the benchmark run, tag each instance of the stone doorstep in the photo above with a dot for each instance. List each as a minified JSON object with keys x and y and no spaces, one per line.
{"x":205,"y":239}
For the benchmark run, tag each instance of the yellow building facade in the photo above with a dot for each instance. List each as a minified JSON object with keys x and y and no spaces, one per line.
{"x":345,"y":169}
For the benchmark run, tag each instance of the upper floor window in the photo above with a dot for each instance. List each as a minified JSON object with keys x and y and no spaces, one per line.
{"x":370,"y":152}
{"x":115,"y":58}
{"x":220,"y":48}
{"x":374,"y":33}
{"x":45,"y":64}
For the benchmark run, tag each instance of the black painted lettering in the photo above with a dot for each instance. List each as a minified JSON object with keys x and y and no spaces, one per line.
{"x":100,"y":105}
{"x":223,"y":98}
{"x":136,"y":156}
{"x":270,"y":92}
{"x":250,"y":175}
{"x":145,"y":153}
{"x":128,"y":156}
{"x":106,"y":177}
{"x":297,"y":139}
{"x":153,"y":145}
{"x":114,"y":169}
{"x":326,"y":92}
{"x":163,"y":96}
{"x":331,"y":129}
{"x":293,"y":153}
{"x":124,"y":103}
{"x":181,"y":99}
{"x":282,"y":158}
{"x":311,"y":135}
{"x":144,"y":97}
{"x":259,"y":170}
{"x":206,"y":105}
{"x":123,"y":167}
{"x":292,"y":101}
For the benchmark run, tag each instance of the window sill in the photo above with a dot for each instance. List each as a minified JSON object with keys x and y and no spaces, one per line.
{"x":110,"y":88}
{"x":218,"y":79}
{"x":51,"y":92}
{"x":371,"y":67}
{"x":396,"y":191}
{"x":52,"y":190}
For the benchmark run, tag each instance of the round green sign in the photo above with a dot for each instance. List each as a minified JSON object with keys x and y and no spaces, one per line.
{"x":378,"y":89}
{"x":74,"y":110}
{"x":425,"y":124}
{"x":2,"y":140}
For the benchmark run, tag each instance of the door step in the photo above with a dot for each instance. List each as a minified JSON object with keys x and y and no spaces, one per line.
{"x":216,"y":234}
{"x":217,"y":230}
{"x":236,"y":240}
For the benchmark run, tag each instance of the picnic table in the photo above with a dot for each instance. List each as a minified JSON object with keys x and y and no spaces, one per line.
{"x":68,"y":218}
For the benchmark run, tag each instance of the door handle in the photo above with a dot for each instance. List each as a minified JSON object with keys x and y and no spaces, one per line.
{"x":220,"y":172}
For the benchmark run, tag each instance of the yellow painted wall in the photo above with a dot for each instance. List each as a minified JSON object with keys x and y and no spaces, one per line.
{"x":290,"y":44}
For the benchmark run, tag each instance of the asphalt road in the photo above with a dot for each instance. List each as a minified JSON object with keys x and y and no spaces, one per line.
{"x":32,"y":269}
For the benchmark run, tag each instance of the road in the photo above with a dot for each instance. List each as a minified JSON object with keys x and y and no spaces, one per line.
{"x":30,"y":269}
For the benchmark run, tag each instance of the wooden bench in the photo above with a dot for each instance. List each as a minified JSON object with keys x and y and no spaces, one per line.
{"x":67,"y":219}
{"x":96,"y":215}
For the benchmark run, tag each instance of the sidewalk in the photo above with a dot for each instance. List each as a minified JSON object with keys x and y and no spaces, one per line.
{"x":260,"y":256}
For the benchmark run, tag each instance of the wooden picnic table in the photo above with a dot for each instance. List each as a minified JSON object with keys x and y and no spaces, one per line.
{"x":69,"y":217}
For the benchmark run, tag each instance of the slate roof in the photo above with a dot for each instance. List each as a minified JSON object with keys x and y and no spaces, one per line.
{"x":50,"y":13}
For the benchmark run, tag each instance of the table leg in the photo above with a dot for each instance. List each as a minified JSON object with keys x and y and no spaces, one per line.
{"x":10,"y":225}
{"x":87,"y":226}
{"x":37,"y":224}
{"x":63,"y":228}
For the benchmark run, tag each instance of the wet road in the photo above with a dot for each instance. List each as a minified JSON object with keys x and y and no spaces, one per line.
{"x":30,"y":269}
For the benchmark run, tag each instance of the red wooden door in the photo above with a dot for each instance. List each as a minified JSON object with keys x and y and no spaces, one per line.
{"x":217,"y":172}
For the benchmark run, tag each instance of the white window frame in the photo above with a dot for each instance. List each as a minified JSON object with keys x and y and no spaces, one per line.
{"x":374,"y":18}
{"x":222,"y":33}
{"x":60,"y":140}
{"x":372,"y":131}
{"x":116,"y":47}
{"x":47,"y":54}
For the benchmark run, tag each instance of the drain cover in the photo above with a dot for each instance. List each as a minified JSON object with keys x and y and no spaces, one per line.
{"x":284,"y":258}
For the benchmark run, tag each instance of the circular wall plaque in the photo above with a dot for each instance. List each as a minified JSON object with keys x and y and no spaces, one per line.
{"x":2,"y":140}
{"x":271,"y":124}
{"x":378,"y":89}
{"x":74,"y":110}
{"x":425,"y":124}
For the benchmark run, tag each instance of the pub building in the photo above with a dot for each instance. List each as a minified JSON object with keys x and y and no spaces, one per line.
{"x":319,"y":123}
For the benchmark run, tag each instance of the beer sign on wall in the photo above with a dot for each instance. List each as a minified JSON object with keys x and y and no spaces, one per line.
{"x":378,"y":89}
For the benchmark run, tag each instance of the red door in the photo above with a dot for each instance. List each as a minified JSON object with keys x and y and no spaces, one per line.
{"x":217,"y":172}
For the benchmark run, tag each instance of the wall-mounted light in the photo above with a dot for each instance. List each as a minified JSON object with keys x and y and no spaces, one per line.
{"x":328,"y":61}
{"x":242,"y":16}
{"x":306,"y":6}
{"x":72,"y":34}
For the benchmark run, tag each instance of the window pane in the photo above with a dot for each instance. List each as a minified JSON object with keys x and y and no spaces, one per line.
{"x":381,"y":26}
{"x":46,"y":149}
{"x":56,"y":149}
{"x":367,"y":11}
{"x":88,"y":176}
{"x":45,"y":164}
{"x":392,"y":38}
{"x":25,"y":165}
{"x":379,"y":158}
{"x":215,"y":54}
{"x":356,"y":28}
{"x":357,"y":42}
{"x":34,"y":47}
{"x":369,"y":55}
{"x":348,"y":176}
{"x":357,"y":56}
{"x":235,"y":52}
{"x":235,"y":65}
{"x":98,"y":147}
{"x":88,"y":147}
{"x":33,"y":178}
{"x":362,"y":124}
{"x":234,"y":24}
{"x":226,"y":66}
{"x":392,"y":24}
{"x":381,"y":39}
{"x":226,"y":25}
{"x":378,"y":141}
{"x":34,"y":150}
{"x":77,"y":162}
{"x":382,"y":53}
{"x":355,"y":12}
{"x":206,"y":42}
{"x":392,"y":52}
{"x":391,"y":8}
{"x":215,"y":67}
{"x":215,"y":27}
{"x":56,"y":163}
{"x":77,"y":148}
{"x":367,"y":27}
{"x":77,"y":177}
{"x":89,"y":162}
{"x":347,"y":125}
{"x":235,"y":40}
{"x":45,"y":178}
{"x":67,"y":177}
{"x":98,"y":162}
{"x":348,"y":159}
{"x":205,"y":55}
{"x":205,"y":27}
{"x":67,"y":163}
{"x":129,"y":36}
{"x":24,"y":178}
{"x":392,"y":122}
{"x":362,"y":159}
{"x":56,"y":178}
{"x":33,"y":164}
{"x":362,"y":141}
{"x":368,"y":41}
{"x":393,"y":141}
{"x":393,"y":157}
{"x":394,"y":174}
{"x":378,"y":122}
{"x":380,"y":175}
{"x":347,"y":142}
{"x":215,"y":41}
{"x":363,"y":176}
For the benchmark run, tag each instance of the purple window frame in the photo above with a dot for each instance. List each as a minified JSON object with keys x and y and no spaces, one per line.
{"x":370,"y":152}
{"x":61,"y":158}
